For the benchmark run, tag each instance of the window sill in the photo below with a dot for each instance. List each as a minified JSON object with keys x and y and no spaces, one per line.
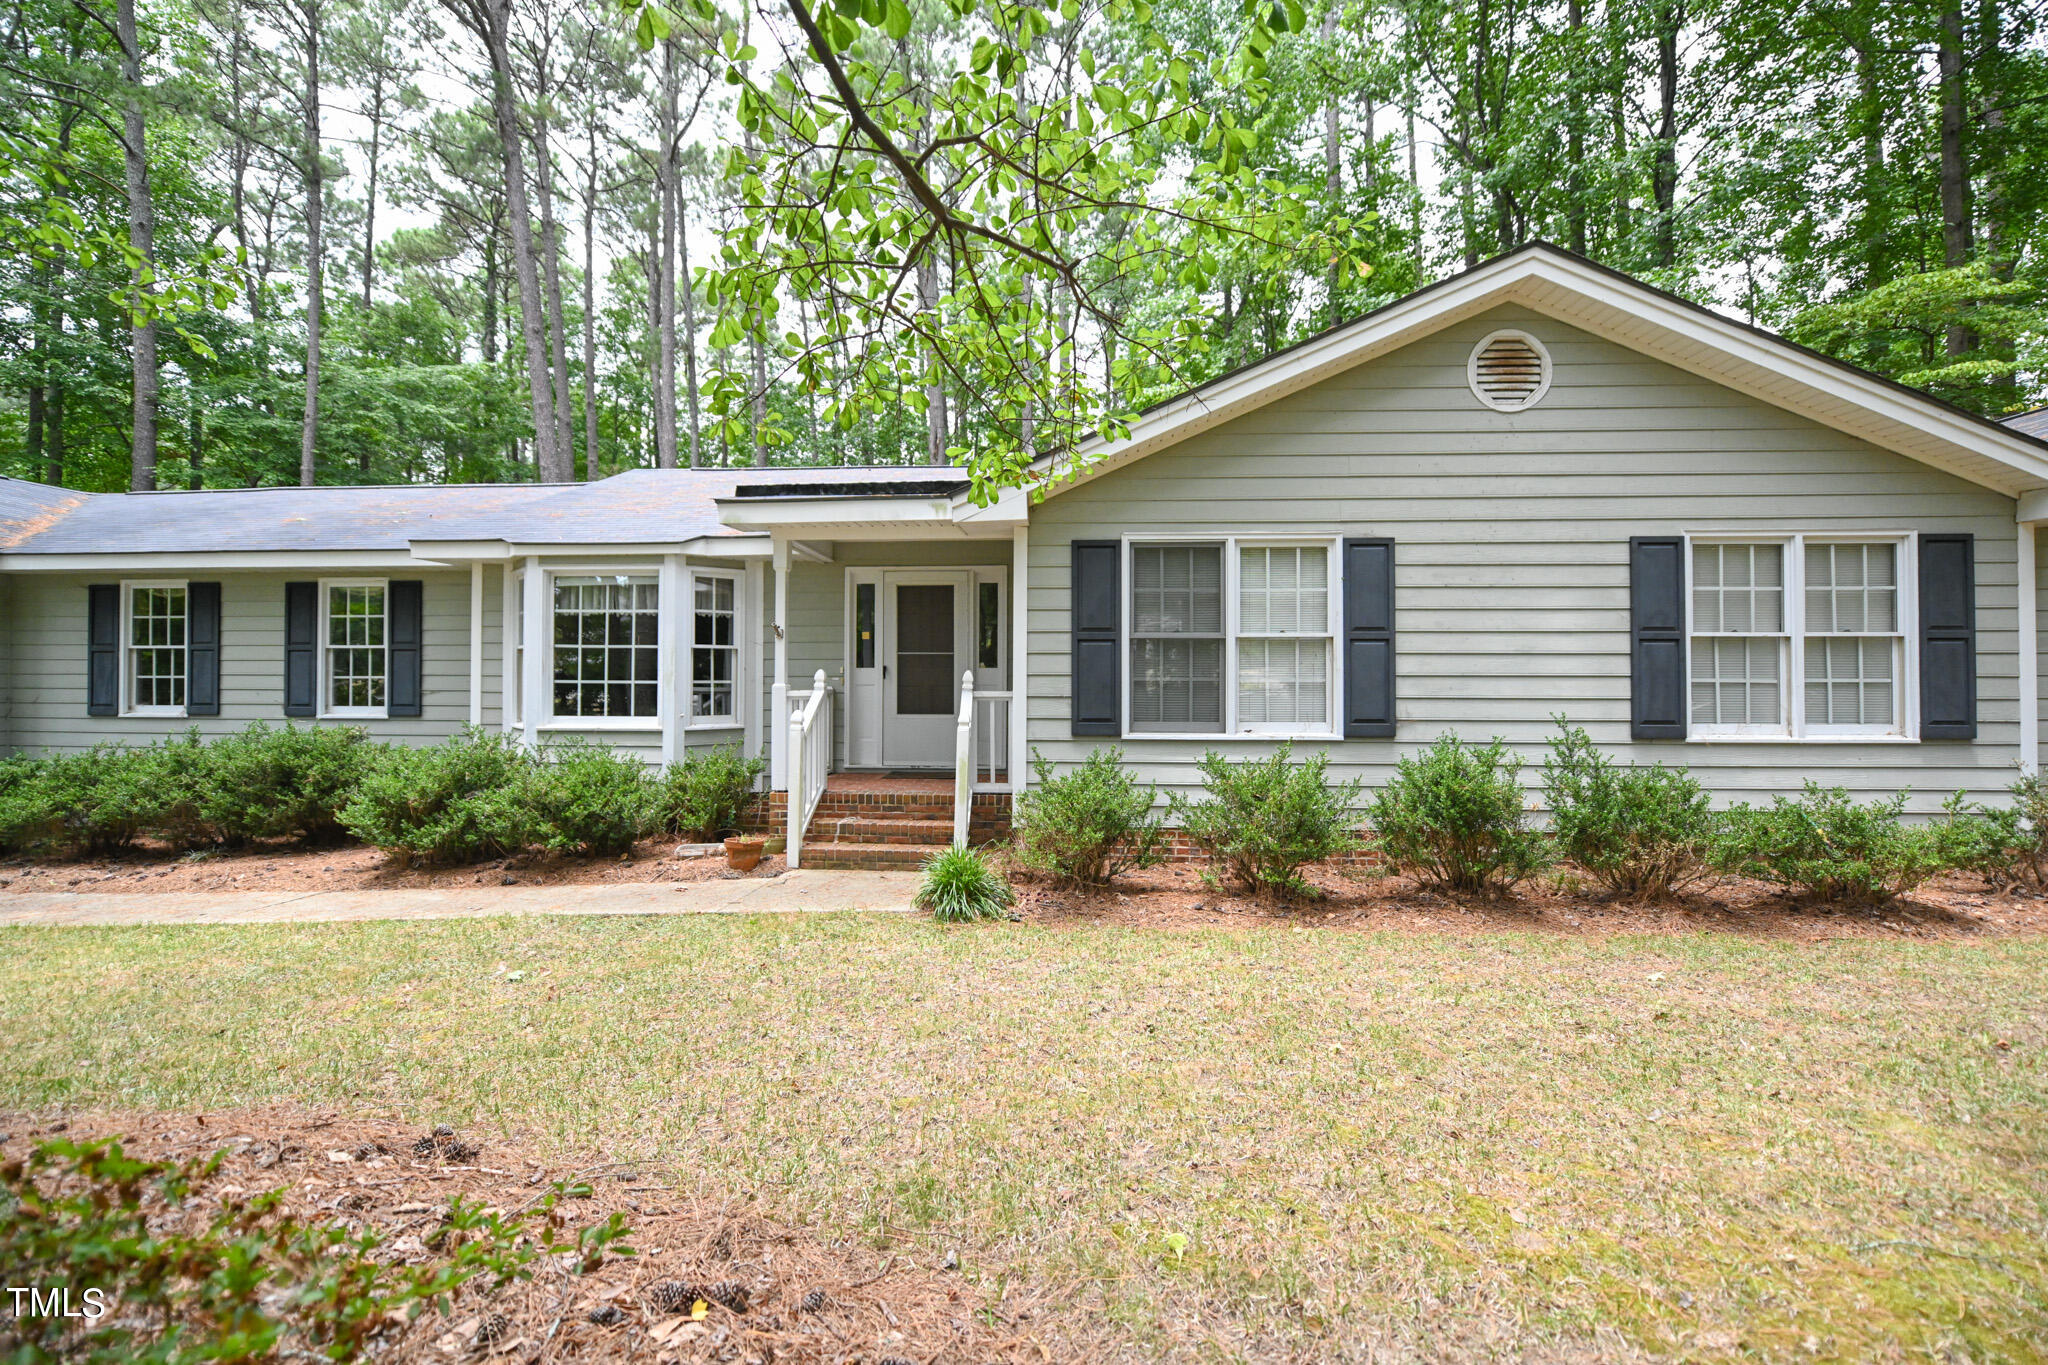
{"x":716,"y":725}
{"x":155,"y":713}
{"x":366,"y":713}
{"x":1268,"y":736}
{"x":1802,"y":739}
{"x":648,"y":723}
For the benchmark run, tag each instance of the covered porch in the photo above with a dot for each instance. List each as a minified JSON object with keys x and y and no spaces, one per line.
{"x":896,"y":656}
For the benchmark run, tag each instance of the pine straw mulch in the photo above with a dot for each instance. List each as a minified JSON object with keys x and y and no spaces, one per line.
{"x":1178,"y":896}
{"x":351,"y":867}
{"x":807,"y":1297}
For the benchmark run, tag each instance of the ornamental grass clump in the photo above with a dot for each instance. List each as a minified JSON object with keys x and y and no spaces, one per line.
{"x":1639,"y":831}
{"x":1454,"y":816}
{"x":1084,"y":827}
{"x":1266,"y":819}
{"x":1825,"y":846}
{"x":959,"y":886}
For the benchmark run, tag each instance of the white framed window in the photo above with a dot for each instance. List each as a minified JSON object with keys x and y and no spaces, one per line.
{"x":714,"y":649}
{"x":1231,"y":636}
{"x":155,"y":634}
{"x":1800,"y":636}
{"x":354,"y":662}
{"x":607,"y":650}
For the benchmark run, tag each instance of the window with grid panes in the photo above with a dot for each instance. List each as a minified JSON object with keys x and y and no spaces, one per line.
{"x":1283,"y":637}
{"x":606,"y":647}
{"x":156,"y":647}
{"x":1177,"y":638}
{"x":355,"y":647}
{"x":714,"y":648}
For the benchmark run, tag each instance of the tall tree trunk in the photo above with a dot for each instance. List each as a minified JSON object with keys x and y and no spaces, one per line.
{"x":490,"y":21}
{"x":1956,"y":234}
{"x":590,"y":460}
{"x":195,"y":425}
{"x":664,"y":282}
{"x":489,"y":341}
{"x":1575,"y":133}
{"x":1664,"y":174}
{"x":53,"y":433}
{"x":758,"y":402}
{"x":551,"y":275}
{"x":1617,"y":119}
{"x":142,"y":240}
{"x":316,"y":283}
{"x":936,"y":427}
{"x":1876,"y":225}
{"x":1333,"y":161}
{"x":689,"y":329}
{"x":370,"y":203}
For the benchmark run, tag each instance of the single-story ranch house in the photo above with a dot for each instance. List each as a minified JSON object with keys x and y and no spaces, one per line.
{"x":1538,"y":487}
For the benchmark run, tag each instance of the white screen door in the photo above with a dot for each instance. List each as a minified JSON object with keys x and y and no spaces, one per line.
{"x":925,"y":634}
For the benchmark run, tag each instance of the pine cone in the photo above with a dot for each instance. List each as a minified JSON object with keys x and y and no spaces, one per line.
{"x":460,"y":1152}
{"x":813,"y":1301}
{"x":493,"y":1330}
{"x":894,"y":1360}
{"x":670,"y":1296}
{"x":729,"y":1293}
{"x":424,"y":1149}
{"x":442,"y":1130}
{"x":607,"y":1315}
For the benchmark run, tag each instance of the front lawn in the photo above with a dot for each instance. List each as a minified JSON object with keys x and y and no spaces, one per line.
{"x":1248,"y":1143}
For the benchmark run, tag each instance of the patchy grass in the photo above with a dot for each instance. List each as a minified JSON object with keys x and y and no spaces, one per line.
{"x":1230,"y":1144}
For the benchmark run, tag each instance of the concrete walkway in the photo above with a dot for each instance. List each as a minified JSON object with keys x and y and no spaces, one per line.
{"x":806,"y":890}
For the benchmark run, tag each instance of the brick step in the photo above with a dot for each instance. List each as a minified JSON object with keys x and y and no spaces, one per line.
{"x":887,"y":804}
{"x":866,"y":857}
{"x":863,"y":829}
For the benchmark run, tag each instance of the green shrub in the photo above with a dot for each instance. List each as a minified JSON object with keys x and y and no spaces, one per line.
{"x":1265,"y":819}
{"x":458,"y":801}
{"x":1638,"y":831}
{"x":268,"y":784}
{"x":102,"y":800}
{"x":705,"y":795}
{"x":2005,"y":845}
{"x":588,"y":798}
{"x":186,"y":1276}
{"x":1825,"y":846}
{"x":958,"y":886}
{"x":1086,"y":826}
{"x":1454,"y":816}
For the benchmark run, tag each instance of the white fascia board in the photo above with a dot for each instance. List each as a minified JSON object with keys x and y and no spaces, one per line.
{"x":217,"y":561}
{"x":803,"y":514}
{"x":1897,"y":420}
{"x":461,"y":551}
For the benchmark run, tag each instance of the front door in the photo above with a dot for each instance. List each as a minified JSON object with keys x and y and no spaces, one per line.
{"x":924,"y":630}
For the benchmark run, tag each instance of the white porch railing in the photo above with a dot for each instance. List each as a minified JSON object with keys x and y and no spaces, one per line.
{"x":810,"y":760}
{"x":981,"y":750}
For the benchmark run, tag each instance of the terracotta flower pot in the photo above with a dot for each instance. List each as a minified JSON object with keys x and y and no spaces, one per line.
{"x":743,"y":854}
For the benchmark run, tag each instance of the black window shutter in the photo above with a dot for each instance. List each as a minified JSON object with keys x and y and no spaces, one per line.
{"x":404,"y":619}
{"x":1656,"y":608}
{"x":202,"y":649}
{"x":1368,"y":639}
{"x":301,"y":648}
{"x":1097,"y":611}
{"x":1948,"y":636}
{"x":103,"y":650}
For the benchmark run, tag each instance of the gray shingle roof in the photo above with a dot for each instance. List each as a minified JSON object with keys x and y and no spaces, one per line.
{"x":639,"y":505}
{"x":2031,"y":423}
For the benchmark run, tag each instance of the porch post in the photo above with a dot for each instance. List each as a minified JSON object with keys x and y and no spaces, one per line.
{"x":2029,"y":660}
{"x":668,"y":633}
{"x":778,"y":703}
{"x":1020,"y":657}
{"x":476,"y":643}
{"x":508,"y":652}
{"x":536,"y":701}
{"x":750,"y":700}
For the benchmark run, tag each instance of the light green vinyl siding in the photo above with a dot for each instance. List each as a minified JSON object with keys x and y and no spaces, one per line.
{"x":1511,"y":548}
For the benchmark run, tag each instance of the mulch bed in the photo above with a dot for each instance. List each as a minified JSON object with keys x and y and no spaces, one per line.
{"x":790,"y":1294}
{"x":351,"y":867}
{"x":1955,"y":907}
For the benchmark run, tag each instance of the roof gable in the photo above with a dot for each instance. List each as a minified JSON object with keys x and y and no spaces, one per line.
{"x":1605,"y":303}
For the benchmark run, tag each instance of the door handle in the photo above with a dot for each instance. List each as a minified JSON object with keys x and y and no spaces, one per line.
{"x":885,"y":670}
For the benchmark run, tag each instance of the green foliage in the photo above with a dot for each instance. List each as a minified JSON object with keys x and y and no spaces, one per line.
{"x":1086,"y":826}
{"x":1639,"y":831}
{"x":267,"y":784}
{"x":456,"y":801}
{"x":104,"y":799}
{"x":244,"y":1282}
{"x":959,"y":886}
{"x":1267,"y":818}
{"x":2006,"y":845}
{"x":588,"y":798}
{"x":1825,"y":846}
{"x":1454,"y":816}
{"x":704,"y":796}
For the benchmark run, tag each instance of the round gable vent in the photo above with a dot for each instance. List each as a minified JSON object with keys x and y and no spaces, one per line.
{"x":1509,"y":371}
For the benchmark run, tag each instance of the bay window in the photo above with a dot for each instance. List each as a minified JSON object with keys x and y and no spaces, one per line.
{"x":1799,"y":636}
{"x":1231,"y":636}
